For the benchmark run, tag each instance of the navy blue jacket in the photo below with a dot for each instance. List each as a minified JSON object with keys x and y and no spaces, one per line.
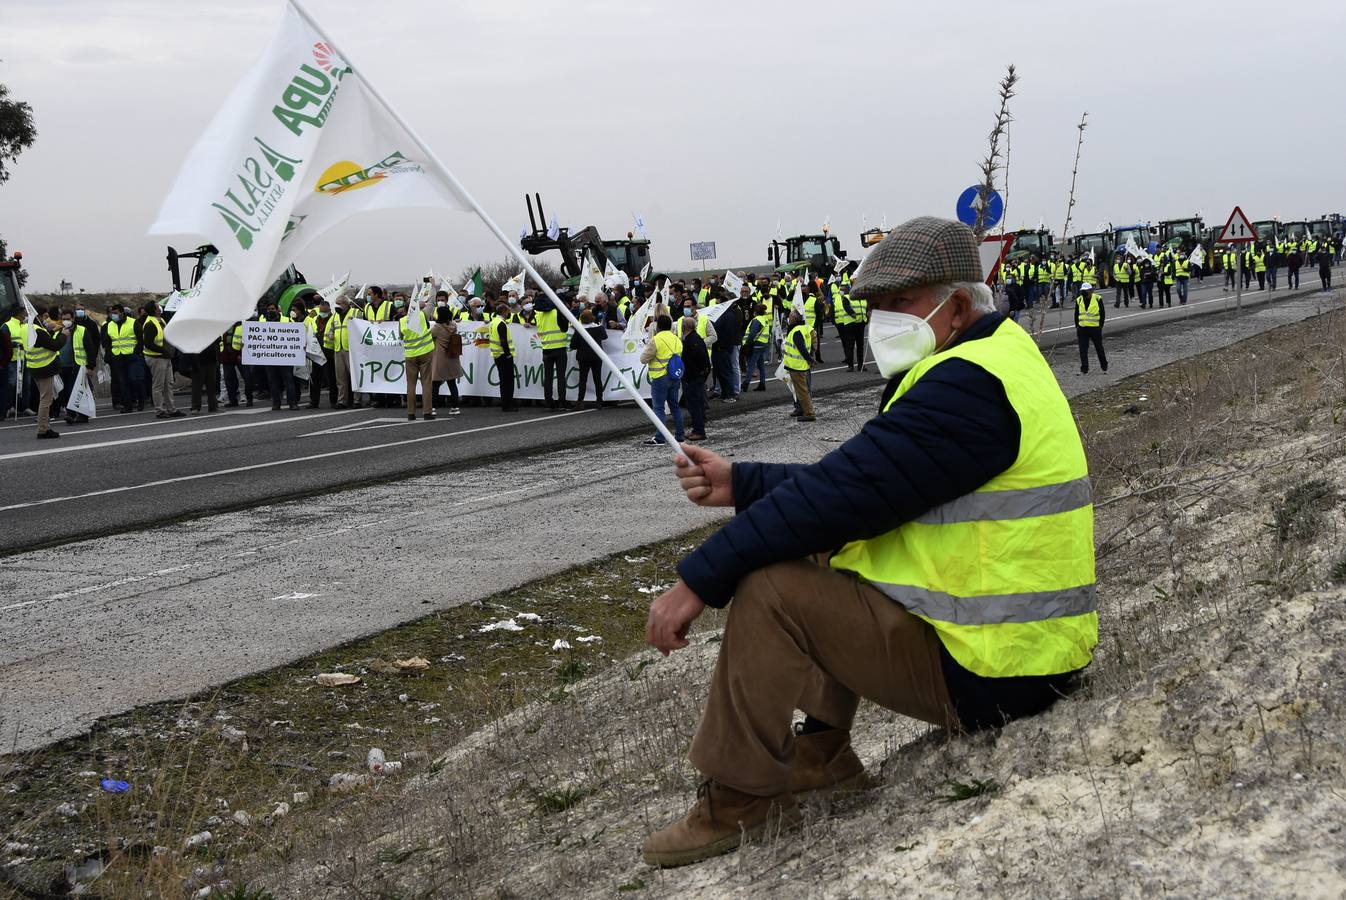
{"x":951,"y":433}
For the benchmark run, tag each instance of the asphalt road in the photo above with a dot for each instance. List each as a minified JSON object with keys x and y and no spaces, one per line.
{"x":102,"y":625}
{"x":127,"y":471}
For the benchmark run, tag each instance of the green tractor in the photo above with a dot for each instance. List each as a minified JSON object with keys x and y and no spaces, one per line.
{"x":282,"y":292}
{"x":818,"y":252}
{"x":631,"y":254}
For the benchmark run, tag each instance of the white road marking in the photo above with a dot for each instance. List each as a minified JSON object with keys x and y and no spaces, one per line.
{"x":84,"y":431}
{"x":363,"y":425}
{"x":283,"y":462}
{"x":48,"y":451}
{"x":94,"y":588}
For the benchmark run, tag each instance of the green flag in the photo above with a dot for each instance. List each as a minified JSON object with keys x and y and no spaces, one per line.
{"x":473,"y":287}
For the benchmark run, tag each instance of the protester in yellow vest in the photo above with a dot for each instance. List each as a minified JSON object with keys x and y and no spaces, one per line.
{"x":963,"y":592}
{"x":1089,"y":316}
{"x":797,"y":350}
{"x":417,"y":352}
{"x":159,"y":357}
{"x":659,"y":355}
{"x":552,"y":334}
{"x":502,"y":351}
{"x":43,"y":362}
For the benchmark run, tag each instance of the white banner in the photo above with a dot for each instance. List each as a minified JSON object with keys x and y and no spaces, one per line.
{"x":378,"y":367}
{"x":274,"y":343}
{"x":299,"y":146}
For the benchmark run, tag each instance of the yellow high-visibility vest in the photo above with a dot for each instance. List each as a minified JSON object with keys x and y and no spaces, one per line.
{"x":1090,"y":315}
{"x":1005,"y":574}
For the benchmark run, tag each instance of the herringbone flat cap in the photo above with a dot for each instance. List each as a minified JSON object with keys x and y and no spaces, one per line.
{"x":925,"y":250}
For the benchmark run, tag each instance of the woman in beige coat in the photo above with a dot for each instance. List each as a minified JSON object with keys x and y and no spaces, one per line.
{"x":447,"y":365}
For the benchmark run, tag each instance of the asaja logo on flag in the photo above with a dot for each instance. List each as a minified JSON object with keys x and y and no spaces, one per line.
{"x":345,"y":175}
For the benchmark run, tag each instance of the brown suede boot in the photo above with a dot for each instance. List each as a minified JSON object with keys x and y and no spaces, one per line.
{"x":824,"y":760}
{"x":717,"y":823}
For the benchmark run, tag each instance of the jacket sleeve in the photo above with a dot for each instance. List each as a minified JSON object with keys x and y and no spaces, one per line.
{"x":950,"y":434}
{"x":48,"y":340}
{"x":647,"y":355}
{"x":753,"y":481}
{"x":753,"y":327}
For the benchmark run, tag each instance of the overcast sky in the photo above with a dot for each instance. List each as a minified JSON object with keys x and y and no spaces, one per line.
{"x":715,"y":120}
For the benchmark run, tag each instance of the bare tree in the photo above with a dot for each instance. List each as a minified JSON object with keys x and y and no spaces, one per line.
{"x":992,"y":162}
{"x":1074,"y":172}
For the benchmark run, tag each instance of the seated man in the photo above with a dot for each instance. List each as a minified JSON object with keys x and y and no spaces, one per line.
{"x":959,"y":587}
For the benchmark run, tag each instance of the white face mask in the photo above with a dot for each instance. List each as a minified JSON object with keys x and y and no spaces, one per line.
{"x":899,"y":341}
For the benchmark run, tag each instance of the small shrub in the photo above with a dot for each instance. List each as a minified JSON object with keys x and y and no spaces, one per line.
{"x":551,"y":802}
{"x":1299,"y":515}
{"x":959,"y":791}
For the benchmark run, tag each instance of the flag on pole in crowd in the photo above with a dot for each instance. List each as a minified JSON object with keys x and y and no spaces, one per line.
{"x":1198,"y":256}
{"x":640,"y":224}
{"x":455,"y":300}
{"x":171,"y":303}
{"x":29,"y":334}
{"x":360,"y":294}
{"x":523,"y":233}
{"x":778,"y":229}
{"x":334,"y":289}
{"x":614,"y":277}
{"x":473,"y":287}
{"x":645,"y":272}
{"x":591,"y":278}
{"x":1133,"y":249}
{"x":732,"y":283}
{"x":301,"y":144}
{"x":838,"y":264}
{"x":515,"y":284}
{"x":797,"y":303}
{"x":553,"y":228}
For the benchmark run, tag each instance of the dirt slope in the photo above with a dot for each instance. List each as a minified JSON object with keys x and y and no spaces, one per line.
{"x":1203,"y":757}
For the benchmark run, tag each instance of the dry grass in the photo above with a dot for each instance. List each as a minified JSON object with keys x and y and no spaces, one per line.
{"x":1204,"y":754}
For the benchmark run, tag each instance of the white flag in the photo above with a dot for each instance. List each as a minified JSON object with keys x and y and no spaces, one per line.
{"x":553,"y":229}
{"x":838,"y":264}
{"x":1133,"y":249}
{"x":455,"y":300}
{"x":645,"y":272}
{"x":298,"y":147}
{"x":334,"y":289}
{"x":515,"y":284}
{"x":797,"y":303}
{"x":29,"y":334}
{"x":1198,"y":257}
{"x":614,"y":277}
{"x":732,"y":283}
{"x":591,"y":279}
{"x":640,"y":224}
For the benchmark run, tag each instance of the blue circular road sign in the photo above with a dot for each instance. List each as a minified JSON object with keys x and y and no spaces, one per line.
{"x":967,"y":207}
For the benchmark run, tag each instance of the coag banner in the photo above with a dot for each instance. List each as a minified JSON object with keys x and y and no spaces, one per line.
{"x":377,"y":365}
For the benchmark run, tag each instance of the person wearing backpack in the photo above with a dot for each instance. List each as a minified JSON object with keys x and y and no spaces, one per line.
{"x":663,"y":355}
{"x":697,"y":365}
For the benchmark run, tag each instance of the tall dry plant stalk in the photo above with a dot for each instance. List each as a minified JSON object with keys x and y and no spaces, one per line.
{"x":1074,"y":173}
{"x":992,"y":162}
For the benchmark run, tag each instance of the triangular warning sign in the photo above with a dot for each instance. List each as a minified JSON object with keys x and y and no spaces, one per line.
{"x":993,"y":250}
{"x":1238,"y":230}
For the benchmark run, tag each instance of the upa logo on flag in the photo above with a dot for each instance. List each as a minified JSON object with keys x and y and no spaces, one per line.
{"x":344,"y":176}
{"x":328,"y":59}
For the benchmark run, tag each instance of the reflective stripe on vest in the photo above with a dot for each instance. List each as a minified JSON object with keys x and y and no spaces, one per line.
{"x":1089,"y":315}
{"x":123,"y":337}
{"x":39,"y":357}
{"x":493,"y":333}
{"x":793,"y":358}
{"x":763,"y":333}
{"x":154,"y":354}
{"x":666,"y":346}
{"x":414,"y":342}
{"x":81,"y":357}
{"x":1004,"y":574}
{"x":549,"y":332}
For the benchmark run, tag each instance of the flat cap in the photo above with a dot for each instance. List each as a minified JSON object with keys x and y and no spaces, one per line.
{"x":925,"y":250}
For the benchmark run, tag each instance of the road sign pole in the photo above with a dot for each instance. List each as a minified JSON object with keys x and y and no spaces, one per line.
{"x":1238,"y":279}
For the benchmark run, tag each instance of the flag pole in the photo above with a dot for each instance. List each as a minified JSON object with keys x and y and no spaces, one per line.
{"x":515,"y":251}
